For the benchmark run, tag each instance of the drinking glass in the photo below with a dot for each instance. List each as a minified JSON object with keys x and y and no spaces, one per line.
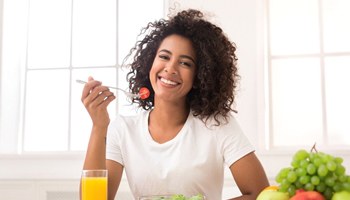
{"x":94,"y":184}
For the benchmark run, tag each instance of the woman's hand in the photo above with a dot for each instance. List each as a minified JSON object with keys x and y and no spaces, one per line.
{"x":96,"y":98}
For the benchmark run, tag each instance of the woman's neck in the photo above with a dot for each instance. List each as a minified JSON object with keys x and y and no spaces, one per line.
{"x":166,"y":120}
{"x":170,"y":114}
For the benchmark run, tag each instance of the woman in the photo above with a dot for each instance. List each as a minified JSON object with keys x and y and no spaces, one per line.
{"x":185,"y":136}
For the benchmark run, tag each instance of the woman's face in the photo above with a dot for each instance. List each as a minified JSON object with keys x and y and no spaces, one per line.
{"x":173,"y":70}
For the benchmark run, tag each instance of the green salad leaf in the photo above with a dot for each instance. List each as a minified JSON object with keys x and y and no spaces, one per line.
{"x":181,"y":197}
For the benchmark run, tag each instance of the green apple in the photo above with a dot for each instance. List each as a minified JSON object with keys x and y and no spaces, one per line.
{"x":342,"y":195}
{"x":272,"y":195}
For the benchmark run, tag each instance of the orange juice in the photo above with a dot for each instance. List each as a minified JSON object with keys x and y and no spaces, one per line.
{"x":94,"y":188}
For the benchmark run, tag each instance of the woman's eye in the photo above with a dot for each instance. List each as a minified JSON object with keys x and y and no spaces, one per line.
{"x":164,"y":57}
{"x":186,"y":64}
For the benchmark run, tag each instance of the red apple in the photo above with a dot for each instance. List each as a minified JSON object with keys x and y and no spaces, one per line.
{"x":307,"y":195}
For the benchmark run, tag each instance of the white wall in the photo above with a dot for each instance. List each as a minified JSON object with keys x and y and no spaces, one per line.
{"x":1,"y":21}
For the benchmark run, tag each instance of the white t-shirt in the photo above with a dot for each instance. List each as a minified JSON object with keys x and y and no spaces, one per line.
{"x":191,"y":163}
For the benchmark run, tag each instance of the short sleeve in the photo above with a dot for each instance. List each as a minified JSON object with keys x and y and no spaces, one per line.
{"x":114,"y":136}
{"x":232,"y":143}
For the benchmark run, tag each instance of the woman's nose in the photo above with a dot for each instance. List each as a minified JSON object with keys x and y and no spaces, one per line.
{"x":171,"y":68}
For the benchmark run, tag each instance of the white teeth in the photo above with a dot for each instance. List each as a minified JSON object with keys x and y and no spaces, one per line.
{"x":168,"y":81}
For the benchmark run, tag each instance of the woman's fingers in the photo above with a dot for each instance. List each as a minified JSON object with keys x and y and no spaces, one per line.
{"x":99,"y":95}
{"x":96,"y":98}
{"x":88,"y":87}
{"x":95,"y":95}
{"x":107,"y":100}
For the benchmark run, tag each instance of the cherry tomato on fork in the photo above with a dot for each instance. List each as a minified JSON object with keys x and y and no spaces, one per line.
{"x":144,"y":93}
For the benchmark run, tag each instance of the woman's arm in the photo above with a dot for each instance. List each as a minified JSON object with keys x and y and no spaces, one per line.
{"x":96,"y":98}
{"x":250,"y":176}
{"x":96,"y":159}
{"x":115,"y":172}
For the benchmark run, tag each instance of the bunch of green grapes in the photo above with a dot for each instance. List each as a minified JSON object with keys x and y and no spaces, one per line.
{"x":314,"y":171}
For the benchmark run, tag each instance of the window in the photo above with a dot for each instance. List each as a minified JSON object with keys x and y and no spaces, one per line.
{"x":48,"y":44}
{"x":308,"y":63}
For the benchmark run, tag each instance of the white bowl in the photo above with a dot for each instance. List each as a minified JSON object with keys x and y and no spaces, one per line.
{"x":160,"y":197}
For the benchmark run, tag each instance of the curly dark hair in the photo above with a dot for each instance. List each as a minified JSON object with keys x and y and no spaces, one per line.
{"x":216,"y":78}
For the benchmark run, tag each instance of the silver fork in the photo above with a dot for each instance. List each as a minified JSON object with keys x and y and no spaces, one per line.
{"x":128,"y":94}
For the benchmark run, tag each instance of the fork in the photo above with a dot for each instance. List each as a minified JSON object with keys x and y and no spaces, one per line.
{"x":128,"y":94}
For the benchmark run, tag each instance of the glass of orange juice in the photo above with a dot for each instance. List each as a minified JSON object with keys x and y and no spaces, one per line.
{"x":94,"y":184}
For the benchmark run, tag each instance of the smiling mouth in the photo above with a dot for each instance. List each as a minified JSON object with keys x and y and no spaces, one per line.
{"x":168,"y":82}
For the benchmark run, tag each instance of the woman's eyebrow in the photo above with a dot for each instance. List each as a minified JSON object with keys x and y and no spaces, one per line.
{"x":181,"y":56}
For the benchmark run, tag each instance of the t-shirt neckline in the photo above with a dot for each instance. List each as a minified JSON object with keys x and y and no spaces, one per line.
{"x":180,"y":134}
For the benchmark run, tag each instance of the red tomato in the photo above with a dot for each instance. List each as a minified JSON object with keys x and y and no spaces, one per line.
{"x":144,"y":93}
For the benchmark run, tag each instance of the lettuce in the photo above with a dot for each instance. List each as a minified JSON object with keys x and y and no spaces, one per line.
{"x":181,"y":197}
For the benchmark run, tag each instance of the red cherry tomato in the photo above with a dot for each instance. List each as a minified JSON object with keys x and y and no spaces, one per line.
{"x":144,"y":93}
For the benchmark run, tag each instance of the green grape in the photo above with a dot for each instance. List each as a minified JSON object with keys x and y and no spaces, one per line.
{"x":300,"y":172}
{"x":309,"y":187}
{"x":337,"y":187}
{"x":304,"y":163}
{"x":304,"y":179}
{"x":279,"y":178}
{"x":321,"y":187}
{"x":317,"y":162}
{"x":301,"y":155}
{"x":332,"y":166}
{"x":292,"y":176}
{"x":320,"y":154}
{"x":328,"y":193}
{"x":326,"y":158}
{"x":340,"y":170}
{"x":330,"y":181}
{"x":291,"y":190}
{"x":346,"y":186}
{"x":298,"y":184}
{"x":295,"y":163}
{"x":338,"y":160}
{"x":284,"y":185}
{"x":322,"y":170}
{"x":311,"y":169}
{"x":342,"y":178}
{"x":315,"y":180}
{"x":283,"y":188}
{"x":312,"y":156}
{"x":285,"y":182}
{"x":284,"y":172}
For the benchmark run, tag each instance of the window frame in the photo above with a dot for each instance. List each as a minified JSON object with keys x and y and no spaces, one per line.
{"x":14,"y":143}
{"x":266,"y":135}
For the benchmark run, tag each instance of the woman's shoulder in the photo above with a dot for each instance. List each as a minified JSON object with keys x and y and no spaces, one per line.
{"x":228,"y":122}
